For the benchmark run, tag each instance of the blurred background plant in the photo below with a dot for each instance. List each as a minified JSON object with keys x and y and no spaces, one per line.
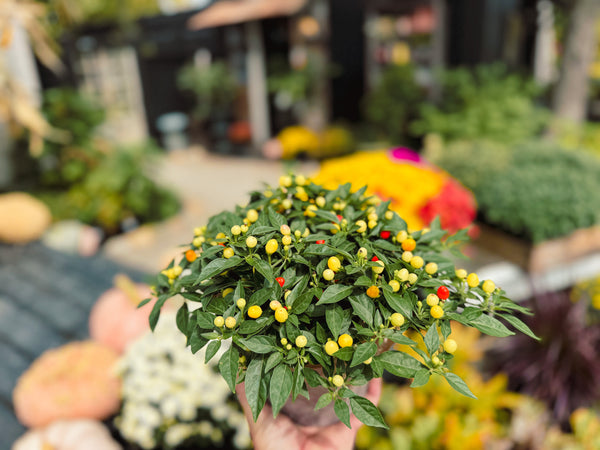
{"x":190,"y":407}
{"x":62,"y":164}
{"x":418,"y":191}
{"x":434,"y":417}
{"x":213,"y":89}
{"x":562,"y":368}
{"x":393,"y":104}
{"x":117,"y":193}
{"x":488,"y":102}
{"x":534,"y":190}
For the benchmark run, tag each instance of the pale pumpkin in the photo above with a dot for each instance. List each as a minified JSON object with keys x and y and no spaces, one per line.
{"x":76,"y":380}
{"x":68,"y":435}
{"x":23,"y":218}
{"x":115,"y":319}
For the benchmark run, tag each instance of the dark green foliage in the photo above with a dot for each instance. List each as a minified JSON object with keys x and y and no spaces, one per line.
{"x":394,"y":104}
{"x":487,"y":103}
{"x":538,"y":191}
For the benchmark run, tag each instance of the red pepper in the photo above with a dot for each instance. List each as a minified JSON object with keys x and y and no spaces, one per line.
{"x":374,"y":258}
{"x":443,"y":293}
{"x":280,"y":280}
{"x":339,"y":217}
{"x":385,"y":234}
{"x":321,"y":241}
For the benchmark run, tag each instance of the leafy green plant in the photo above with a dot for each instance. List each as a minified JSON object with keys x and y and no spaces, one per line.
{"x":313,"y":286}
{"x":537,"y":191}
{"x":213,"y":87}
{"x":394,"y":103}
{"x":64,"y":163}
{"x":117,"y":189}
{"x":488,"y":103}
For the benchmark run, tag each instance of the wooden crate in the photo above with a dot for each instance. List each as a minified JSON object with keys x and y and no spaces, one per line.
{"x":544,"y":256}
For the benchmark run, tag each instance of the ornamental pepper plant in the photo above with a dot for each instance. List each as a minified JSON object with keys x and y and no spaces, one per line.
{"x":312,"y":287}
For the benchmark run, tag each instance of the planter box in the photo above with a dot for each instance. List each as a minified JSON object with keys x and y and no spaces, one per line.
{"x":544,"y":256}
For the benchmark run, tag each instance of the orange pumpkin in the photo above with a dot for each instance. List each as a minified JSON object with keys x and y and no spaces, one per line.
{"x":115,"y":319}
{"x":76,"y":380}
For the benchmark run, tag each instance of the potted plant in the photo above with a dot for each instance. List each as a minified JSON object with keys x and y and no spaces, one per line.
{"x":311,"y":288}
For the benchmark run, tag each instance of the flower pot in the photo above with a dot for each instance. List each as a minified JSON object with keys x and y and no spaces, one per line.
{"x":302,"y":411}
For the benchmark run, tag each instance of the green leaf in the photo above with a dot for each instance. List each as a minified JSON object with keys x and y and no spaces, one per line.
{"x":334,"y":317}
{"x":145,"y":301}
{"x":154,"y":315}
{"x":205,"y":320}
{"x":298,"y":383}
{"x":197,"y":341}
{"x":211,"y":350}
{"x":228,"y":366}
{"x":399,"y":363}
{"x":260,"y":297}
{"x":345,"y":354}
{"x":399,"y":303}
{"x":182,"y":318}
{"x":216,"y":266}
{"x":363,"y":307}
{"x":432,"y":339}
{"x":363,"y":352}
{"x":399,"y":338}
{"x":299,"y":289}
{"x":363,"y":281}
{"x":259,"y":344}
{"x":519,"y":325}
{"x":421,"y":378}
{"x":313,"y":378}
{"x":488,"y":325}
{"x":324,"y":400}
{"x":303,"y":301}
{"x":445,"y":328}
{"x":261,"y":267}
{"x":276,"y":219}
{"x":280,"y":388}
{"x":342,"y":411}
{"x":252,"y":384}
{"x":458,"y":384}
{"x":255,"y":325}
{"x":239,"y":291}
{"x":334,"y":294}
{"x":273,"y":360}
{"x":367,"y":412}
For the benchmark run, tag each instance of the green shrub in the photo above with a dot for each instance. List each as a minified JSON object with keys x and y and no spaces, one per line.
{"x":64,"y":163}
{"x":537,"y":191}
{"x":487,"y":103}
{"x":393,"y":104}
{"x":213,"y":87}
{"x":116,"y":190}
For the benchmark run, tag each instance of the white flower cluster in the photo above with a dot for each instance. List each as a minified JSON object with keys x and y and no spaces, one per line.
{"x":170,"y":395}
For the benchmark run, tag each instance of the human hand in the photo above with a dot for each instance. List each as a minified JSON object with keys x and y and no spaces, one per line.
{"x":281,"y":433}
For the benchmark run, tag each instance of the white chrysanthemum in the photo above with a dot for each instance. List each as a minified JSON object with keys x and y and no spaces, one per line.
{"x":164,"y":383}
{"x":178,"y":433}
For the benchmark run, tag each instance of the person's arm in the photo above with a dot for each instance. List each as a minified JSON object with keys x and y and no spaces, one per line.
{"x":281,"y":433}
